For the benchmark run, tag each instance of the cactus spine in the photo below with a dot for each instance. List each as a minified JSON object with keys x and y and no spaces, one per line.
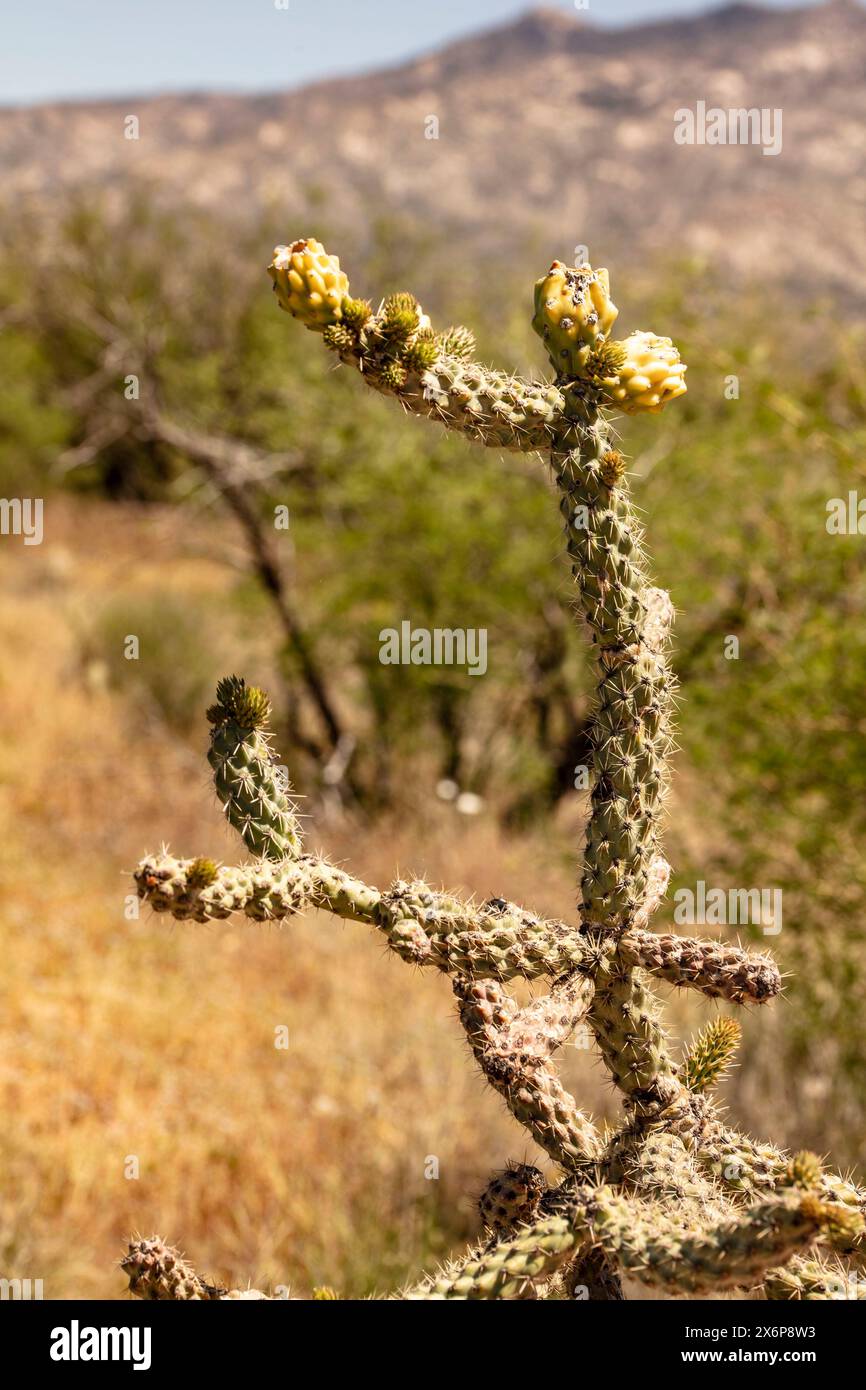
{"x":673,"y":1197}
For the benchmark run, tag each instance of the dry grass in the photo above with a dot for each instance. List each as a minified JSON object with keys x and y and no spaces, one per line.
{"x":150,"y":1039}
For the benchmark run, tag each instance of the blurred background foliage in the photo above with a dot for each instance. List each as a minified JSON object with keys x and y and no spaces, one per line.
{"x":240,"y":412}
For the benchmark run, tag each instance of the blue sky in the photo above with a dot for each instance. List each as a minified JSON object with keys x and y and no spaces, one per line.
{"x":84,"y":48}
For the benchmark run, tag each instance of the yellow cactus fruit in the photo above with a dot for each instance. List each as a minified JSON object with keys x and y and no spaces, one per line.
{"x":573,"y":314}
{"x":651,"y":375}
{"x":309,"y":283}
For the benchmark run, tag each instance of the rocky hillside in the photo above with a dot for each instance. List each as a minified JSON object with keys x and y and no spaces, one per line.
{"x":546,"y":124}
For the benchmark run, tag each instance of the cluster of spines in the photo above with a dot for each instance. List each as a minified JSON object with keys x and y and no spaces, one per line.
{"x":711,"y":1055}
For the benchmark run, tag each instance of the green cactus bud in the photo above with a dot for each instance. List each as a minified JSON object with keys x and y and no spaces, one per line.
{"x":227,"y":691}
{"x":355,"y":312}
{"x":393,"y":376}
{"x":613,"y":466}
{"x":420,"y":354}
{"x":457,"y":342}
{"x":401,"y":316}
{"x":339,"y":338}
{"x":253,"y":708}
{"x":711,"y":1054}
{"x":804,"y":1171}
{"x":201,"y":873}
{"x":605,"y":361}
{"x":246,"y":705}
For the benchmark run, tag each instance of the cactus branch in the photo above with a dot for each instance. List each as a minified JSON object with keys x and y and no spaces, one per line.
{"x":718,"y":969}
{"x":527,"y":1082}
{"x":812,"y":1281}
{"x":419,"y":924}
{"x":648,"y":1243}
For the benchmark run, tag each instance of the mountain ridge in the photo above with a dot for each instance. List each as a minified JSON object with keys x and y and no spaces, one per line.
{"x":548,"y":122}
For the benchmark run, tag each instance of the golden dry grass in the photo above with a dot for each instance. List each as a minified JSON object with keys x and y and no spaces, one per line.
{"x":155,"y":1040}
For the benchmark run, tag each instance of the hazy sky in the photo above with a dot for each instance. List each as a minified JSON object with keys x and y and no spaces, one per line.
{"x":81,"y":48}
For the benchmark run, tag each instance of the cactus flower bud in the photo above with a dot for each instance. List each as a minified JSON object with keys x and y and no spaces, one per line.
{"x":309,"y":283}
{"x":651,"y":375}
{"x":573,"y":314}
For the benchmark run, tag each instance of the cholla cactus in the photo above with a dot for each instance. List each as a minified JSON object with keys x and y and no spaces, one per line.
{"x":673,"y":1197}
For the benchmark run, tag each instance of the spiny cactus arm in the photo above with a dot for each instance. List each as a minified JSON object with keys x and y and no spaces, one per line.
{"x":510,"y":1269}
{"x":813,"y":1280}
{"x":497,"y":938}
{"x":658,"y":1166}
{"x":802,"y":1194}
{"x":529,"y":1086}
{"x":658,"y":875}
{"x":711,"y":1054}
{"x":592,"y":1277}
{"x":630,"y":621}
{"x":157,"y":1272}
{"x":624,"y":1015}
{"x":648,"y":1242}
{"x":251,"y":794}
{"x":488,"y":407}
{"x":536,"y":1032}
{"x":397,"y":353}
{"x":718,"y":970}
{"x":424,"y":927}
{"x":739,"y":1162}
{"x":730,"y":1253}
{"x":512,"y":1200}
{"x":747,"y":1165}
{"x":625,"y":1020}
